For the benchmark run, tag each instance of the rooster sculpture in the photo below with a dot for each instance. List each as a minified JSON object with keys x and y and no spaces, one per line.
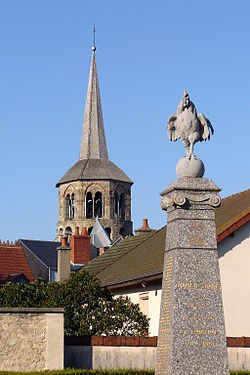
{"x":188,"y":125}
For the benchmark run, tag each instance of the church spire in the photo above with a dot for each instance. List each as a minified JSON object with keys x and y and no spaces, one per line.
{"x":93,"y":144}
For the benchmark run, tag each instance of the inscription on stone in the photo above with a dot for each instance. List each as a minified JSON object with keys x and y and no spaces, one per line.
{"x":191,"y":336}
{"x":164,"y":344}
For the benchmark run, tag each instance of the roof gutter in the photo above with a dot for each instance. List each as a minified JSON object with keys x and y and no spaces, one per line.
{"x":221,"y":236}
{"x":124,"y":284}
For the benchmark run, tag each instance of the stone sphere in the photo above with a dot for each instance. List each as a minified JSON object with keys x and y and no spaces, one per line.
{"x":193,"y":167}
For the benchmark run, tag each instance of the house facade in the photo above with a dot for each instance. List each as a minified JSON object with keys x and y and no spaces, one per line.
{"x":137,"y":269}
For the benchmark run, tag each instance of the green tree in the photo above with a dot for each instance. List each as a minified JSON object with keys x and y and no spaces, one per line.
{"x":89,"y":309}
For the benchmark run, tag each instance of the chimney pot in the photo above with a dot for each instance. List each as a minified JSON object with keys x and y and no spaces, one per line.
{"x":145,"y":223}
{"x":76,"y":231}
{"x":84,"y":231}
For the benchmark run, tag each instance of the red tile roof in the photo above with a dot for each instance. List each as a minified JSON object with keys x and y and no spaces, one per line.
{"x":13,"y":261}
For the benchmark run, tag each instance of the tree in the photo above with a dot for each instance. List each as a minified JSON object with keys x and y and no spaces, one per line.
{"x":89,"y":309}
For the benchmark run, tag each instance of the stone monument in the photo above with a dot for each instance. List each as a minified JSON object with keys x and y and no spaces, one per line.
{"x":192,"y":339}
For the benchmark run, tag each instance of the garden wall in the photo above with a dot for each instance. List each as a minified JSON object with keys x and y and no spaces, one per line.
{"x":31,"y":339}
{"x":100,"y":352}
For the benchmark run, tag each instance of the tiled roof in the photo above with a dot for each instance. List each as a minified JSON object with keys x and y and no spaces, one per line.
{"x":13,"y":261}
{"x":94,"y":169}
{"x":44,"y":250}
{"x":134,"y":259}
{"x":113,"y":254}
{"x":233,"y":209}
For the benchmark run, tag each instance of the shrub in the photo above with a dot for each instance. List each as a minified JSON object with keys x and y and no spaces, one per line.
{"x":89,"y":309}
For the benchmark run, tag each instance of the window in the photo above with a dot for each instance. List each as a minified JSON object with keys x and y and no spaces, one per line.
{"x":143,"y":303}
{"x":70,"y":206}
{"x":89,"y":206}
{"x":72,"y":211}
{"x":98,"y":205}
{"x":60,"y":234}
{"x":116,"y":205}
{"x":122,"y":207}
{"x":108,"y":230}
{"x":68,"y":233}
{"x":67,"y":206}
{"x":89,"y":230}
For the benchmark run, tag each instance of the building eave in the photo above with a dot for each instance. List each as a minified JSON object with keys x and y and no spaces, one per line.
{"x":134,"y":282}
{"x":232,"y":228}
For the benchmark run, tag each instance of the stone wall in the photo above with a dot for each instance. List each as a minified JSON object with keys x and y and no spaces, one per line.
{"x":31,"y":339}
{"x":136,"y":352}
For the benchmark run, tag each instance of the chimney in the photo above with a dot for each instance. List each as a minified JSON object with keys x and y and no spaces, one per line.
{"x":63,"y":261}
{"x":80,"y":247}
{"x":144,"y":228}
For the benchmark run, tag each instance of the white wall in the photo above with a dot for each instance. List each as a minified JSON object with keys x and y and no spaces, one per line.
{"x":234,"y":260}
{"x":107,"y":357}
{"x":154,"y":301}
{"x":110,"y":357}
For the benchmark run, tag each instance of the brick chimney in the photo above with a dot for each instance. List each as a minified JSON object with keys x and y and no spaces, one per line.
{"x":63,"y":261}
{"x":80,"y":247}
{"x":144,"y":228}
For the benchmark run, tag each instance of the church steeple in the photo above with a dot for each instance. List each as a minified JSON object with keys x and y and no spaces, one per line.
{"x":93,"y":144}
{"x":94,"y":187}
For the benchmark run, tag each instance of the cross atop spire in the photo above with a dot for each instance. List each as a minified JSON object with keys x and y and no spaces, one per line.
{"x":93,"y":144}
{"x":94,"y":30}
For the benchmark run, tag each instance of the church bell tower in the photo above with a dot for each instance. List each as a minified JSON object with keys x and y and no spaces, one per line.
{"x":94,"y":186}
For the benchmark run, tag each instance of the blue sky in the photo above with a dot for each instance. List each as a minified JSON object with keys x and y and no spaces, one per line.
{"x":147,"y":51}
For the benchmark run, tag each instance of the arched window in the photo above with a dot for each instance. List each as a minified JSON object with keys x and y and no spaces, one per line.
{"x":72,"y":211}
{"x":89,"y":230}
{"x":108,"y":230}
{"x":116,"y":205}
{"x":68,"y":232}
{"x":70,"y":206}
{"x":122,"y":232}
{"x":89,"y":206}
{"x":98,"y":205}
{"x":67,"y":208}
{"x":122,"y":207}
{"x":60,"y":234}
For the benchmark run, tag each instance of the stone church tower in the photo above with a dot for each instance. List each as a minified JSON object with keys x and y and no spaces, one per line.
{"x":94,"y":186}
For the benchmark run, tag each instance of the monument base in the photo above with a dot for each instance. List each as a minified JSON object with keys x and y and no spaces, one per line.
{"x":192,"y":338}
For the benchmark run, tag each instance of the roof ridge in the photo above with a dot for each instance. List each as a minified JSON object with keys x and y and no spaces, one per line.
{"x":27,"y":239}
{"x":235,"y":194}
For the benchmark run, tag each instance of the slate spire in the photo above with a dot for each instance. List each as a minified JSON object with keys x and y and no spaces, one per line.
{"x":93,"y":144}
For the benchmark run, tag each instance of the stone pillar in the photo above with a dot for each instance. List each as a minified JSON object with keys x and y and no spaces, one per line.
{"x":192,"y":337}
{"x":63,"y":261}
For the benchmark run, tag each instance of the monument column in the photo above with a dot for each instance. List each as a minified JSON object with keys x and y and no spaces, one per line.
{"x":191,"y":337}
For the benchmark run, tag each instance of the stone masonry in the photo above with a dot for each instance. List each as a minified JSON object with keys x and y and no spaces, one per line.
{"x":94,"y":177}
{"x":31,"y":339}
{"x":109,"y":219}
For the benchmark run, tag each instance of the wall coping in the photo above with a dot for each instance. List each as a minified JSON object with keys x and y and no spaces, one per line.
{"x":31,"y":310}
{"x":110,"y":341}
{"x":232,"y":342}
